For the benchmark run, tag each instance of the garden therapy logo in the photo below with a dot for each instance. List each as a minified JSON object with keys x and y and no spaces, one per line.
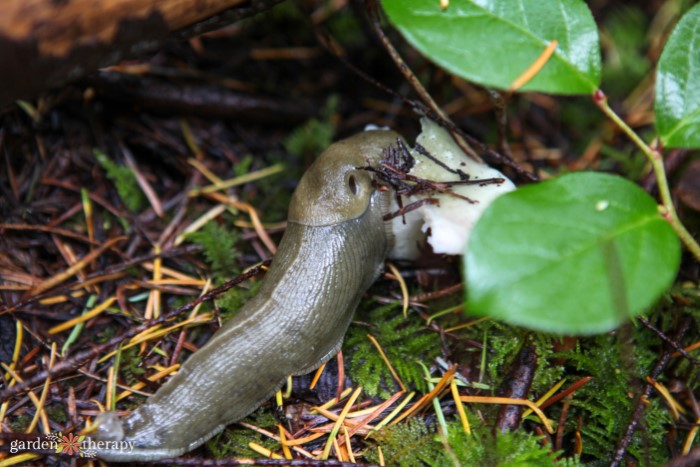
{"x":68,"y":444}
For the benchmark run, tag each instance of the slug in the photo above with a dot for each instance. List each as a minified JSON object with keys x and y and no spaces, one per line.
{"x":332,"y":251}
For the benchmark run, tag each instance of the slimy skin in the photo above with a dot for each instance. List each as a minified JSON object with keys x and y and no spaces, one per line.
{"x":332,"y":251}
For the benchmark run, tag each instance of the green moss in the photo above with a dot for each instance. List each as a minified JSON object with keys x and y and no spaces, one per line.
{"x":231,"y":301}
{"x":218,"y":246}
{"x":233,"y":441}
{"x":124,"y":180}
{"x":416,"y":443}
{"x":549,"y":373}
{"x":20,"y":423}
{"x":502,"y":345}
{"x":606,"y":403}
{"x":314,"y":136}
{"x":56,"y":413}
{"x":130,"y":365}
{"x":404,"y":340}
{"x":516,"y":449}
{"x":410,"y":444}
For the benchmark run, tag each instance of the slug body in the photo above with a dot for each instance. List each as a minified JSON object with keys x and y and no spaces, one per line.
{"x":332,"y":251}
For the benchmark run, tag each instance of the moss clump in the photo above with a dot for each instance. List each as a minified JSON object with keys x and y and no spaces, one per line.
{"x":124,"y":180}
{"x":416,"y":443}
{"x":219,"y":248}
{"x":406,"y":341}
{"x":233,"y":441}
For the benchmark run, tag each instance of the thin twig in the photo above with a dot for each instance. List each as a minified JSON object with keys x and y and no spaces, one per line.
{"x":373,"y":11}
{"x":679,"y":348}
{"x":642,"y":400}
{"x":331,"y":46}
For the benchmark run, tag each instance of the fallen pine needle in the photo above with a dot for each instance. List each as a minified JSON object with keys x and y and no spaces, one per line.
{"x":291,"y":443}
{"x":388,"y":363}
{"x":154,"y":299}
{"x":72,"y":270}
{"x":404,"y":288}
{"x":15,"y":359}
{"x":30,"y":393}
{"x":546,"y":396}
{"x":670,"y":400}
{"x":436,"y":401}
{"x":264,"y":451}
{"x":690,"y":439}
{"x":211,"y":176}
{"x":153,"y":378}
{"x":690,"y":348}
{"x":240,"y":180}
{"x":143,"y":183}
{"x":332,"y":402}
{"x":213,"y":213}
{"x":40,"y":412}
{"x":338,"y":450}
{"x":254,"y":218}
{"x":84,"y":317}
{"x":155,"y":332}
{"x":394,"y":412}
{"x":460,"y":408}
{"x":317,"y":376}
{"x":18,"y":459}
{"x":304,"y":440}
{"x":169,"y":272}
{"x":283,"y":441}
{"x":334,"y":418}
{"x":61,"y":298}
{"x":467,"y":325}
{"x":348,"y":445}
{"x":509,"y":401}
{"x":447,"y":311}
{"x":375,"y":412}
{"x":427,"y":398}
{"x":339,"y":422}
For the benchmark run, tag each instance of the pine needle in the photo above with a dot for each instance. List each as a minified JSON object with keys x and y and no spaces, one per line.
{"x":338,"y":423}
{"x":404,"y":289}
{"x":509,"y":401}
{"x":84,"y":317}
{"x":388,"y":363}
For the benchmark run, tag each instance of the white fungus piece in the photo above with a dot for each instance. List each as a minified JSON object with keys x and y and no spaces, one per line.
{"x":451,"y":221}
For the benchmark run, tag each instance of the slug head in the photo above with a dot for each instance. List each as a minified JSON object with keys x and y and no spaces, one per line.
{"x":333,"y":189}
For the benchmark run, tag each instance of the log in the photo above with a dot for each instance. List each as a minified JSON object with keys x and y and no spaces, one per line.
{"x":46,"y":43}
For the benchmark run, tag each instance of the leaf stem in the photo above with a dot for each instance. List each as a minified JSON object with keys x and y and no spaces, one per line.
{"x":668,"y":210}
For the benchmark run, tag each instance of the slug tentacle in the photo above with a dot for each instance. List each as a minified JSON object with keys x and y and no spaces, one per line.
{"x":332,"y":251}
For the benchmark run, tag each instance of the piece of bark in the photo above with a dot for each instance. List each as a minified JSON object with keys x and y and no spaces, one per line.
{"x":517,"y":386}
{"x":46,"y":43}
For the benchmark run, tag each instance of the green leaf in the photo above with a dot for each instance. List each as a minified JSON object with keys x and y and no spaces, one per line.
{"x":579,"y":254}
{"x":677,"y":104}
{"x":492,"y":42}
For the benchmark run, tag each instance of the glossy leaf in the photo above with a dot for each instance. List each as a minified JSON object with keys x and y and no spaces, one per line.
{"x":492,"y":42}
{"x":579,"y":254}
{"x":677,"y":103}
